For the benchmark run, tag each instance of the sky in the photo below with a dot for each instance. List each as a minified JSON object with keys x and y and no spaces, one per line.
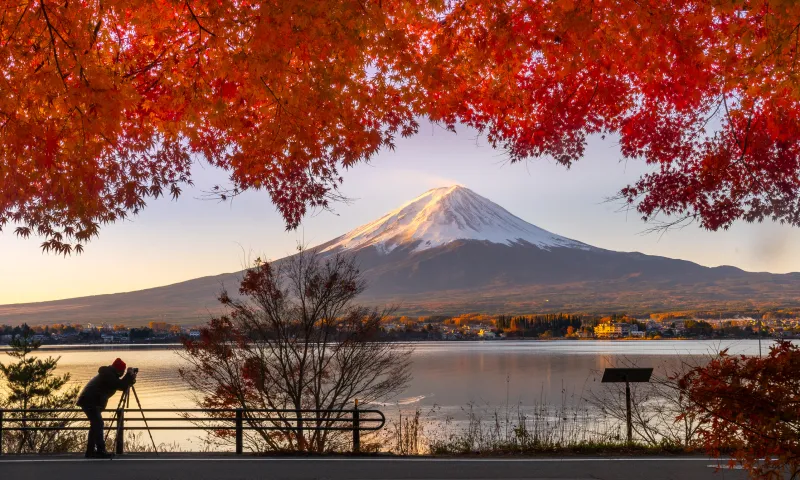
{"x":172,"y":241}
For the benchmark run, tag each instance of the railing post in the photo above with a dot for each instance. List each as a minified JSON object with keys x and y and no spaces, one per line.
{"x":356,"y":429}
{"x":120,"y":440}
{"x":1,"y":432}
{"x":628,"y":422}
{"x":301,"y":439}
{"x":239,"y":430}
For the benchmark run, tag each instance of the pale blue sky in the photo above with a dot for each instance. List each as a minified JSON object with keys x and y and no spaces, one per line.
{"x":174,"y":241}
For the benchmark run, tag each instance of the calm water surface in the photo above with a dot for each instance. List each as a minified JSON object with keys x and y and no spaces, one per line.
{"x":447,"y":375}
{"x":444,"y":373}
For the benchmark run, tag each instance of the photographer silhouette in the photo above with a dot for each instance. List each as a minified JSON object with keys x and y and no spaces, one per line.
{"x":93,"y":399}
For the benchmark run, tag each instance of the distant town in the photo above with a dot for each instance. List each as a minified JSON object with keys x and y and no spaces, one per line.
{"x":472,"y":326}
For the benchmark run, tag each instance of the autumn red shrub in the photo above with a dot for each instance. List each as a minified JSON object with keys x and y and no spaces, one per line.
{"x":749,"y":408}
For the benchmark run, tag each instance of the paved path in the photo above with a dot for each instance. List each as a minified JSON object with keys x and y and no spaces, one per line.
{"x":199,"y":468}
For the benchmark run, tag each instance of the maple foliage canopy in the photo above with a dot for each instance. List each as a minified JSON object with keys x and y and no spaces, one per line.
{"x":105,"y":104}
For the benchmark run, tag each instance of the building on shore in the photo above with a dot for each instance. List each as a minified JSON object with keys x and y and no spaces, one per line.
{"x":487,"y":334}
{"x":616,"y":330}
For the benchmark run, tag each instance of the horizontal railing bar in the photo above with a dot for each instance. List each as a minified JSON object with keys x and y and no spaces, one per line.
{"x":110,"y":421}
{"x":46,"y":419}
{"x":84,"y":429}
{"x":226,"y":420}
{"x":197,"y":419}
{"x":251,"y":422}
{"x":327,"y":420}
{"x":344,"y":429}
{"x":189,"y":410}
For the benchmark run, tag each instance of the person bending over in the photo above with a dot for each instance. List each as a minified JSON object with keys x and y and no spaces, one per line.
{"x":93,"y":399}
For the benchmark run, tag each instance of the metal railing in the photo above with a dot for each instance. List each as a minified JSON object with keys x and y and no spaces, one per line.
{"x":240,"y":419}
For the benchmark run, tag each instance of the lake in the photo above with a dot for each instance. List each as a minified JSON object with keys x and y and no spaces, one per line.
{"x":447,"y":376}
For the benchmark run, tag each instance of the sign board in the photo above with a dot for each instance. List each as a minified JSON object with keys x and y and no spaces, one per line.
{"x":615,"y":375}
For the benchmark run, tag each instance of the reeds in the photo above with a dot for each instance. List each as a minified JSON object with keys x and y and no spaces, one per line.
{"x":573,"y":425}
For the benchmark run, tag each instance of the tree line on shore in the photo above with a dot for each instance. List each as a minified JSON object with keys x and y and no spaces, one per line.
{"x":784,"y":324}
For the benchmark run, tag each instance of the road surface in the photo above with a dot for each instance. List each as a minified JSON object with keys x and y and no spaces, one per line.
{"x":176,"y":467}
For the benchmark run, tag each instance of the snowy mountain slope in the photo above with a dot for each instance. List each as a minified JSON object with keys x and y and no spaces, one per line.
{"x":443,"y":215}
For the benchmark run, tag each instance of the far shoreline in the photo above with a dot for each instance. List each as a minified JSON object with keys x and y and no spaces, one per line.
{"x":466,"y":343}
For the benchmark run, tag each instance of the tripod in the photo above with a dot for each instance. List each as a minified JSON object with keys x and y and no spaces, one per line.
{"x":125,"y":401}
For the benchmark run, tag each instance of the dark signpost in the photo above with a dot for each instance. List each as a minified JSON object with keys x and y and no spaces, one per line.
{"x":627,"y":375}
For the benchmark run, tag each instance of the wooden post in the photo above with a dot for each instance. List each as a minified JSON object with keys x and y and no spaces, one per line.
{"x":356,"y":429}
{"x":628,"y":406}
{"x":239,"y":431}
{"x":301,"y":439}
{"x":120,"y":440}
{"x":1,"y":432}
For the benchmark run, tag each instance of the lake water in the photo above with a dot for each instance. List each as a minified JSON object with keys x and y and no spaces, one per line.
{"x":447,"y":376}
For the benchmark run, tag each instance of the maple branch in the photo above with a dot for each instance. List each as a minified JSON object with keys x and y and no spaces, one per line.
{"x":58,"y":33}
{"x":594,"y":94}
{"x":779,"y":45}
{"x":119,"y":42}
{"x":16,"y":26}
{"x":96,"y":30}
{"x":281,"y":107}
{"x":716,"y":110}
{"x":50,"y":29}
{"x":197,"y":21}
{"x":743,"y":146}
{"x":147,"y":67}
{"x":663,"y":227}
{"x":796,"y":46}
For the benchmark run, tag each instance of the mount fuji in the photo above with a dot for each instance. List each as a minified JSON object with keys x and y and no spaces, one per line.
{"x":443,"y":215}
{"x":452,"y":251}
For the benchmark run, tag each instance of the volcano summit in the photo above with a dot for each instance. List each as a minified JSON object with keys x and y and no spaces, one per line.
{"x":443,"y":215}
{"x":452,"y":251}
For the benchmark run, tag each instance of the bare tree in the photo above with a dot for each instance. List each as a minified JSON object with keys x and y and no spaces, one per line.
{"x":292,"y":340}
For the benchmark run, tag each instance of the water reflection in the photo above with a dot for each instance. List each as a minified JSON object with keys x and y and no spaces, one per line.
{"x":447,"y":375}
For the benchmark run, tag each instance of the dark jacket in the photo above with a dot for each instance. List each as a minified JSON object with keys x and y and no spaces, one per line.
{"x":102,"y":387}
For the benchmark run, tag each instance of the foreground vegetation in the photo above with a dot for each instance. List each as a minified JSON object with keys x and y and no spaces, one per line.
{"x":534,"y":433}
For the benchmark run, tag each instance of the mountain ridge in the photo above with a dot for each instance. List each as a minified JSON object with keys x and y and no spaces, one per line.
{"x":451,"y":251}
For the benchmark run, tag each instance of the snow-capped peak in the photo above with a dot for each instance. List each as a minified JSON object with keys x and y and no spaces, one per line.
{"x":442,"y":215}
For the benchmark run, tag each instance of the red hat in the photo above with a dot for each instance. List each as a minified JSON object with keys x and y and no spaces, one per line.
{"x":119,"y":365}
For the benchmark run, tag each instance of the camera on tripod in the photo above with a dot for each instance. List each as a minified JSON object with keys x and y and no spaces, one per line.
{"x":125,"y":400}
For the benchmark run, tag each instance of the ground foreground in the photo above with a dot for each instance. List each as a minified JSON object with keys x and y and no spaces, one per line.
{"x":176,"y":467}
